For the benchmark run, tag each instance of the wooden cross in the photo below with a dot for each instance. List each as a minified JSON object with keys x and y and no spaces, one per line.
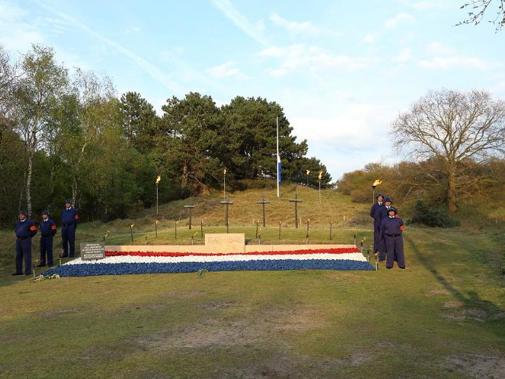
{"x":263,"y":202}
{"x":226,"y":204}
{"x":189,"y":207}
{"x":296,"y":201}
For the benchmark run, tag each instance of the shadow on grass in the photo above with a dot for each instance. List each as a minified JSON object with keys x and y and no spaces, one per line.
{"x":470,"y":299}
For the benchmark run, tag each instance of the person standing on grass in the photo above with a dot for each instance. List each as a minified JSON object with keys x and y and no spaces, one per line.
{"x":25,"y":229}
{"x":392,"y":228}
{"x":47,"y":232}
{"x":69,"y":219}
{"x":378,"y":212}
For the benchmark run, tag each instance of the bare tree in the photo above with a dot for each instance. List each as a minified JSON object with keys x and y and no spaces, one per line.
{"x":454,"y":127}
{"x":478,"y":8}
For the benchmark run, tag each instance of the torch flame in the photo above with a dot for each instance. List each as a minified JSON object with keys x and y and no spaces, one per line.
{"x":158,"y":179}
{"x":377,"y":182}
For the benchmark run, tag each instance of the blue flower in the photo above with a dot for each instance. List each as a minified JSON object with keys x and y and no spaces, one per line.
{"x":87,"y":269}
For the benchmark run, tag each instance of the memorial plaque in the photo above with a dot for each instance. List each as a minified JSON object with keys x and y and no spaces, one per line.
{"x":225,"y":242}
{"x":92,"y":251}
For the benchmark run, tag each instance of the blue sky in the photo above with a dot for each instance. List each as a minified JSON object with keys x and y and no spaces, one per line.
{"x":342,"y":70}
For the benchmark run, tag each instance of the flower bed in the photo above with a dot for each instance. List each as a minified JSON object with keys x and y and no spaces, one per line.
{"x":119,"y":263}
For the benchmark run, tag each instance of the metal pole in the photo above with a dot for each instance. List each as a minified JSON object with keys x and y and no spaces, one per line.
{"x":224,"y":186}
{"x":278,"y":159}
{"x":319,"y":191}
{"x":157,"y":208}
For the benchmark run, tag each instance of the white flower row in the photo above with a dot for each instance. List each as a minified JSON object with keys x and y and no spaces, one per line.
{"x":219,"y":258}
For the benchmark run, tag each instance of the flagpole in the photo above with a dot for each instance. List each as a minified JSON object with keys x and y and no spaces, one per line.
{"x":278,"y":159}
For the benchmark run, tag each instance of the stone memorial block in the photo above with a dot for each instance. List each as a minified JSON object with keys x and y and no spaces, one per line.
{"x":225,"y":242}
{"x":92,"y":251}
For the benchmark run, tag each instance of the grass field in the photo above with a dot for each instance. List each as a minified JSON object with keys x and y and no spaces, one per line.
{"x":443,"y":317}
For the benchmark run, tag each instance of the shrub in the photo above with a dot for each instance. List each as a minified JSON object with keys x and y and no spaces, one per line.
{"x":431,"y":216}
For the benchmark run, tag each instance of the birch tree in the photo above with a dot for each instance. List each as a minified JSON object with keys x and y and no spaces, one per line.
{"x":41,"y":84}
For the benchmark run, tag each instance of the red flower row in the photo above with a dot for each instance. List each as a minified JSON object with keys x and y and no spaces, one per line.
{"x":341,"y":250}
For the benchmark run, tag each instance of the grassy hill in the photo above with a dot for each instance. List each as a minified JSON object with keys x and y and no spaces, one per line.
{"x":443,"y":317}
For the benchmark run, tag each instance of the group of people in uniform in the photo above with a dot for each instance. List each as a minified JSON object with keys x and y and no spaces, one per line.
{"x":388,"y":229}
{"x":26,"y":229}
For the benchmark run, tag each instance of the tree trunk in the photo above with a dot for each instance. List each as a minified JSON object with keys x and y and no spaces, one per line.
{"x":29,"y":185}
{"x":74,"y":190}
{"x":451,"y":188}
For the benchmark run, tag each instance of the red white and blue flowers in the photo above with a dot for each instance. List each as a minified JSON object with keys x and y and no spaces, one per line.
{"x":142,"y":262}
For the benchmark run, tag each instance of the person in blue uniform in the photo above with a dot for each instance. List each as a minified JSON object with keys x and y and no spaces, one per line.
{"x":25,"y":229}
{"x":377,"y":212}
{"x":69,"y":219}
{"x":388,"y":203}
{"x":47,"y":229}
{"x":392,"y":228}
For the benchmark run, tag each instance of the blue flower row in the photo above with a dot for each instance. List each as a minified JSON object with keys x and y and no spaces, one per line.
{"x":257,"y":265}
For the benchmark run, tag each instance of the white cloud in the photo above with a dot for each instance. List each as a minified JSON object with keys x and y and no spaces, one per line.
{"x":149,"y":68}
{"x":302,"y":57}
{"x":370,"y":38}
{"x":398,"y":19}
{"x":226,"y":70}
{"x":255,"y":31}
{"x":16,"y":33}
{"x":294,"y":27}
{"x":455,"y":61}
{"x":358,"y":124}
{"x":404,"y":56}
{"x":427,"y":4}
{"x":443,"y":57}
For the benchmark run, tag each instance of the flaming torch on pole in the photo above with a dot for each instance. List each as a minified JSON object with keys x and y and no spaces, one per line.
{"x":319,"y":180}
{"x":377,"y":182}
{"x":157,"y":182}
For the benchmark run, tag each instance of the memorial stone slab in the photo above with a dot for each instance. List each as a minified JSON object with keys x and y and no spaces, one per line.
{"x":92,"y":251}
{"x":225,"y":242}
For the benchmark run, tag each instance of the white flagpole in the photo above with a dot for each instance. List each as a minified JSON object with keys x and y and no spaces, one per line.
{"x":278,"y":160}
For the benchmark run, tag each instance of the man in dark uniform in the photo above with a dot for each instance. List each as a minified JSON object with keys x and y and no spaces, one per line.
{"x":378,"y":213}
{"x":391,"y":229}
{"x":25,"y":229}
{"x":69,"y":219}
{"x":47,"y":232}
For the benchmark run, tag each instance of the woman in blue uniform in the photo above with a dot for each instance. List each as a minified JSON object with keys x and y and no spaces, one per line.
{"x":377,"y":212}
{"x":25,"y":229}
{"x":391,"y":230}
